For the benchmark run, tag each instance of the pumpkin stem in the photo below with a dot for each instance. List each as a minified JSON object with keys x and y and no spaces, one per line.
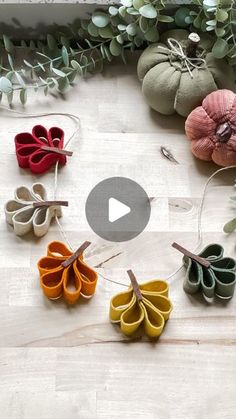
{"x":223,"y":132}
{"x":192,"y":44}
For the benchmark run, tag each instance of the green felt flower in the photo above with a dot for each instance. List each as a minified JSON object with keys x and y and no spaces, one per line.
{"x":218,"y":278}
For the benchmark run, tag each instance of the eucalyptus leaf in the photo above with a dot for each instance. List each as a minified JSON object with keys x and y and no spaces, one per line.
{"x":92,"y":29}
{"x":115,"y":48}
{"x":58,"y":72}
{"x":19,"y":78}
{"x":105,"y":32}
{"x":132,"y":11}
{"x":10,"y":60}
{"x":63,"y":84}
{"x":100,"y":19}
{"x":143,"y":24}
{"x":152,"y":34}
{"x":113,"y":10}
{"x":165,"y":19}
{"x":120,"y":39}
{"x":10,"y":97}
{"x":148,"y":11}
{"x":221,"y":15}
{"x":220,"y":31}
{"x":65,"y":55}
{"x":9,"y":47}
{"x":131,"y":29}
{"x":180,"y":16}
{"x":126,"y":3}
{"x":220,"y":48}
{"x":122,"y":11}
{"x":23,"y":96}
{"x":230,"y":226}
{"x":5,"y":85}
{"x":52,"y":44}
{"x":121,"y":27}
{"x":138,"y":3}
{"x":210,"y":3}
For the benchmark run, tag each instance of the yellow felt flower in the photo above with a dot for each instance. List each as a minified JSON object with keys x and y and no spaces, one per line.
{"x":146,"y":304}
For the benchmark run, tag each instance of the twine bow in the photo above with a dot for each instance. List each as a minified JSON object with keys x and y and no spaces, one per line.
{"x":176,"y":49}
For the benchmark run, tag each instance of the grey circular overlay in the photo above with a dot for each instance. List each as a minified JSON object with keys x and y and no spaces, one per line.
{"x":118,"y":209}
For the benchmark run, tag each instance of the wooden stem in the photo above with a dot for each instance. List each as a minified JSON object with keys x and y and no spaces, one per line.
{"x":75,"y":255}
{"x":204,"y":262}
{"x":50,"y":203}
{"x":192,"y":44}
{"x":57,"y":150}
{"x":135,"y":285}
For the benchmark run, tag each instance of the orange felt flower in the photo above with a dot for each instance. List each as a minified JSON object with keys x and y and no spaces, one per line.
{"x":64,"y":273}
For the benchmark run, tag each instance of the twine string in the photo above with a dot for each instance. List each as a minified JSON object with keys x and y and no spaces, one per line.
{"x":76,"y":119}
{"x":176,"y":49}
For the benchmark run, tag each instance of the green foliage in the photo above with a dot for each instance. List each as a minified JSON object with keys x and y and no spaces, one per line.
{"x":56,"y":62}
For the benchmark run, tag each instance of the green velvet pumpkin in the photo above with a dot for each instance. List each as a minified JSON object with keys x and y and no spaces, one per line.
{"x":168,"y":85}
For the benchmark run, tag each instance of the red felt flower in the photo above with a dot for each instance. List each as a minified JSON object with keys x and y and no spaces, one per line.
{"x":41,"y":149}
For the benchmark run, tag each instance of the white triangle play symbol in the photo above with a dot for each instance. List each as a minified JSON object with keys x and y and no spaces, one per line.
{"x":116,"y":209}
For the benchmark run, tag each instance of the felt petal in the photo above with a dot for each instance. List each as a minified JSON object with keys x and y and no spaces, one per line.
{"x":208,"y":282}
{"x":22,"y":220}
{"x":58,"y":250}
{"x":212,"y":252}
{"x":23,"y":154}
{"x":160,"y":303}
{"x":71,"y":285}
{"x":25,"y":138}
{"x":154,"y":287}
{"x":153,"y":320}
{"x":132,"y":318}
{"x":40,"y":134}
{"x":119,"y":304}
{"x":224,"y":283}
{"x":41,"y":161}
{"x":39,"y":192}
{"x":193,"y":276}
{"x":24,"y":195}
{"x":11,"y":208}
{"x":203,"y":148}
{"x":42,"y":219}
{"x":56,"y":137}
{"x":199,"y":125}
{"x":49,"y":263}
{"x":88,"y":277}
{"x":52,"y":283}
{"x":218,"y":105}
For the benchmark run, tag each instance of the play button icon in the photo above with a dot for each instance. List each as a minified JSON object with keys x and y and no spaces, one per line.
{"x":118,"y":209}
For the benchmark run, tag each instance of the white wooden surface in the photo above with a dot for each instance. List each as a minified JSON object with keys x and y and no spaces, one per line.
{"x":70,"y":362}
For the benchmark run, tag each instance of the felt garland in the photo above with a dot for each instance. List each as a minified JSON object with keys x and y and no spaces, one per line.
{"x":65,"y":274}
{"x":31,"y":211}
{"x":41,"y":149}
{"x":209,"y":272}
{"x":146,"y":304}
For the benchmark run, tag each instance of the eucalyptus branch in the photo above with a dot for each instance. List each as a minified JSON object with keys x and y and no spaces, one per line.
{"x":109,"y":33}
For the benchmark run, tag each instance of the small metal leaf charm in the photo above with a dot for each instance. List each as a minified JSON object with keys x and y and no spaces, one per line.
{"x":168,"y":155}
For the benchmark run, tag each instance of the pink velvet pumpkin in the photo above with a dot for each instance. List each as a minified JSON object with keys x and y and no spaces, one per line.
{"x":211,"y":128}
